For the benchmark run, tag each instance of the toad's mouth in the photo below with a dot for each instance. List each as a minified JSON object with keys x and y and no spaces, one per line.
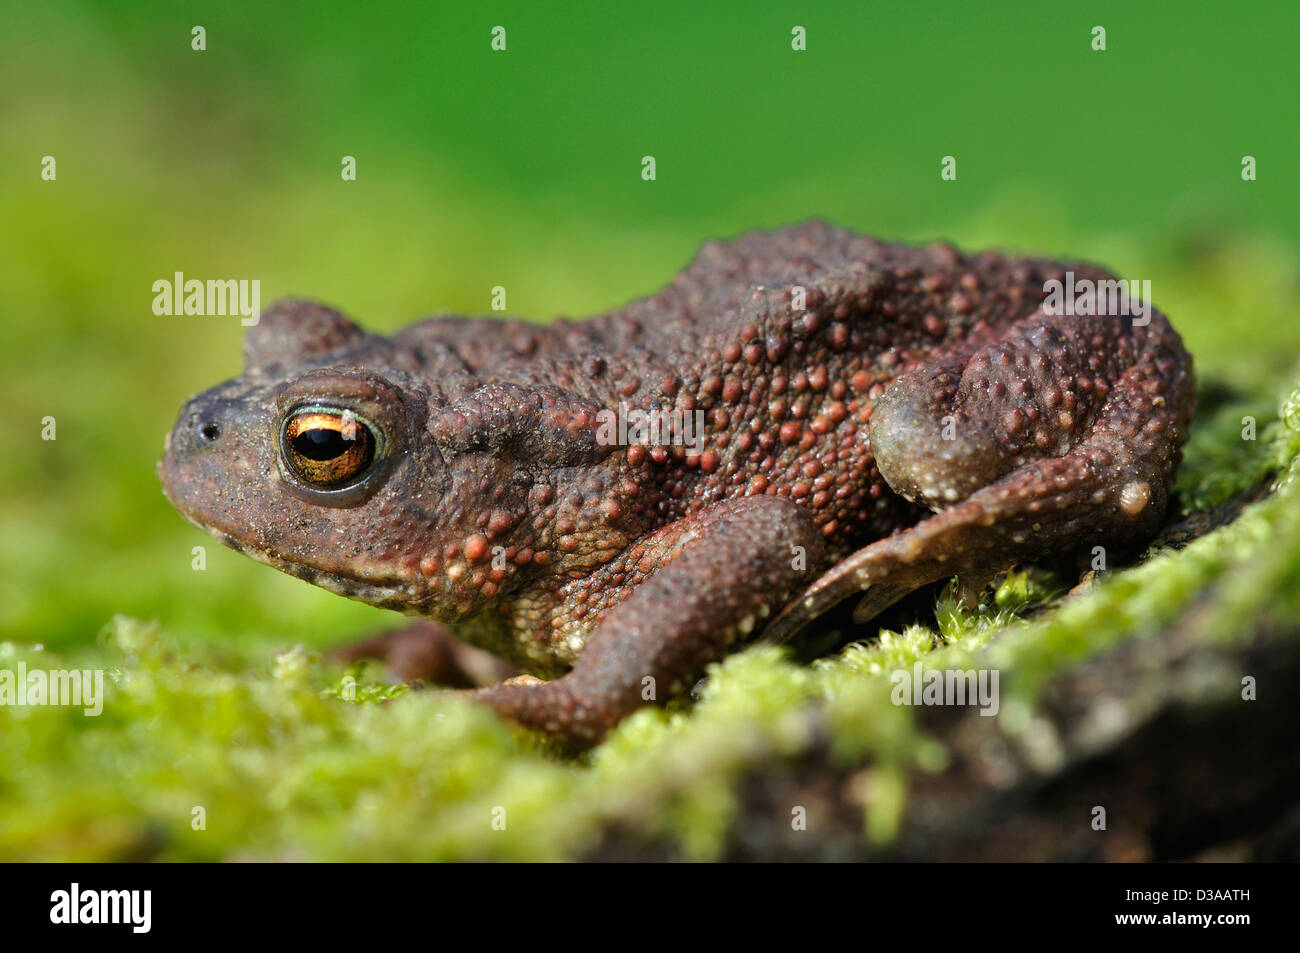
{"x":386,"y":593}
{"x":190,"y":498}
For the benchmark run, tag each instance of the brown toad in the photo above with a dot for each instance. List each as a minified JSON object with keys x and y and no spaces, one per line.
{"x":629,"y":498}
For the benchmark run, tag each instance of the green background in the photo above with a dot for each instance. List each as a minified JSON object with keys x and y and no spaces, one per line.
{"x":522,"y":169}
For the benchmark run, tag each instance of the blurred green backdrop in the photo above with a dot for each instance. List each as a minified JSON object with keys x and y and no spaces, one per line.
{"x":479,"y":168}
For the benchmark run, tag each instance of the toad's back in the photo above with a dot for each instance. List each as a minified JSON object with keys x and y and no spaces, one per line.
{"x":784,"y":341}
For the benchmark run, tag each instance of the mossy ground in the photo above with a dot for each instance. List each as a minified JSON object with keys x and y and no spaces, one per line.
{"x":281,"y":757}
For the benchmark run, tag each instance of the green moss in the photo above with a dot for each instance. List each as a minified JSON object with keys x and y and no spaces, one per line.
{"x":290,"y":758}
{"x":287,"y":757}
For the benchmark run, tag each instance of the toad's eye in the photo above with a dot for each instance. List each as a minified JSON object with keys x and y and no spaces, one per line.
{"x":328,"y":449}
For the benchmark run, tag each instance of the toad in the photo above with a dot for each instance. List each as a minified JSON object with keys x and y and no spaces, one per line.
{"x":801,"y":416}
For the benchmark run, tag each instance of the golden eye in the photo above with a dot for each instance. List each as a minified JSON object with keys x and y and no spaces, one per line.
{"x":328,"y":449}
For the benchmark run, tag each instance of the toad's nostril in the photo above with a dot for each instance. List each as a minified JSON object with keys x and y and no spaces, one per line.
{"x":209,"y":431}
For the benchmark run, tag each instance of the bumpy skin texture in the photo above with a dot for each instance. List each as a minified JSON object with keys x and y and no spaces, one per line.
{"x":849,"y":388}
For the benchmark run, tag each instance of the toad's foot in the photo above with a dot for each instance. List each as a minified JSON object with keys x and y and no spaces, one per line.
{"x":426,"y":651}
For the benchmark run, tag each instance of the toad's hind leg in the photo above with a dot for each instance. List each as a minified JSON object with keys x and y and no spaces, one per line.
{"x":1040,"y":453}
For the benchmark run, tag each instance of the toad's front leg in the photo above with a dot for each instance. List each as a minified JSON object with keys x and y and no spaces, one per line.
{"x":723,"y":573}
